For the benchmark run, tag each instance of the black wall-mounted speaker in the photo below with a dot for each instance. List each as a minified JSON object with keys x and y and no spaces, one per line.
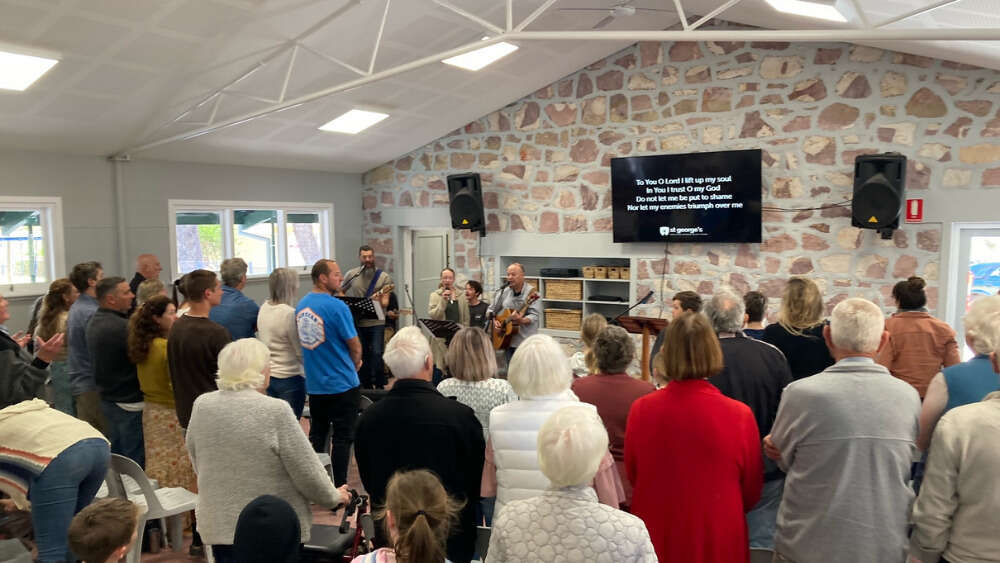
{"x":465,"y":197}
{"x":879,"y":192}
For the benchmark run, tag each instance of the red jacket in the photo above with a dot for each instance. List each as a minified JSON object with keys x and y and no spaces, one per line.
{"x":694,"y":459}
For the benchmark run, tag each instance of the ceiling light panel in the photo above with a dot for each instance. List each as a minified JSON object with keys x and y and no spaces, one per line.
{"x":17,"y":71}
{"x":354,"y":121}
{"x":475,"y":60}
{"x":818,"y":10}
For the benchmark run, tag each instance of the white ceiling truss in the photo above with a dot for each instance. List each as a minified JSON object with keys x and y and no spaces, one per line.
{"x":249,"y":82}
{"x":213,"y":101}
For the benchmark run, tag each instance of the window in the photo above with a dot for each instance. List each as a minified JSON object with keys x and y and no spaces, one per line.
{"x":31,"y":244}
{"x":977,"y":273}
{"x":266,"y":235}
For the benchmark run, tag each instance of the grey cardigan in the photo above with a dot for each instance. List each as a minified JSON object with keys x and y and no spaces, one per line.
{"x":244,"y":444}
{"x":846,"y":437}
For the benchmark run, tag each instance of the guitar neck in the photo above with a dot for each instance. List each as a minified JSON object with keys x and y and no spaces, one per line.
{"x":527,"y":304}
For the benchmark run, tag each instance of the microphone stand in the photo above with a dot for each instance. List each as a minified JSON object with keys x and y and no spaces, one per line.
{"x":406,"y":292}
{"x":642,"y":301}
{"x":490,"y":313}
{"x":346,"y":284}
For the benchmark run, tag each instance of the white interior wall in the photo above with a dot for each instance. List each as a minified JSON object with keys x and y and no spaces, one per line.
{"x":85,"y":185}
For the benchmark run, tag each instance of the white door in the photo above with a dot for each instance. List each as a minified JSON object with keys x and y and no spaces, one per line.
{"x":430,"y":256}
{"x":978,"y":271}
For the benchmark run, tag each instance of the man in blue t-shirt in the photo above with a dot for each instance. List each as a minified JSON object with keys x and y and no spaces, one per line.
{"x":331,"y":352}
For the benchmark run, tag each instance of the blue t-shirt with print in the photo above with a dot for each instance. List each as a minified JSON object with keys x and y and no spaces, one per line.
{"x":325,"y":325}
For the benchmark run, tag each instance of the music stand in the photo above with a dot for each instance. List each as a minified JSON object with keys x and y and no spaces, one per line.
{"x":363,"y":308}
{"x":441,"y":329}
{"x":646,"y":326}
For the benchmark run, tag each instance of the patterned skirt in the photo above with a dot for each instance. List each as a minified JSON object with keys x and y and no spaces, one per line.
{"x":167,"y":458}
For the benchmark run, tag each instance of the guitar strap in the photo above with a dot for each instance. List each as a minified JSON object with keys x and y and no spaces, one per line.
{"x":371,"y":286}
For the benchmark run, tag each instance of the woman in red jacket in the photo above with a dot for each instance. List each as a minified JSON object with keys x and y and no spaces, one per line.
{"x":693,"y":455}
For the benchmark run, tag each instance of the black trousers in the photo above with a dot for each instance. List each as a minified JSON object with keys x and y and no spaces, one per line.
{"x":340,"y":411}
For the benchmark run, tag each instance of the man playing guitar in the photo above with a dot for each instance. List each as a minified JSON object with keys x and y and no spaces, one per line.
{"x":369,"y":281}
{"x":513,"y":297}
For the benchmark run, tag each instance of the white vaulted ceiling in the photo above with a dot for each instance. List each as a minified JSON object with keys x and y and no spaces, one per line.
{"x":129,"y":68}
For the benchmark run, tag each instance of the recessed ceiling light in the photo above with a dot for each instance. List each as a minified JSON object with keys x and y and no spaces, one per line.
{"x":354,"y":121}
{"x":820,"y":10}
{"x":17,"y":71}
{"x":475,"y":60}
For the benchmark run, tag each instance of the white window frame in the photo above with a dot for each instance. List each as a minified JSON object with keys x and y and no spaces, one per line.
{"x":52,"y":225}
{"x":225,"y":210}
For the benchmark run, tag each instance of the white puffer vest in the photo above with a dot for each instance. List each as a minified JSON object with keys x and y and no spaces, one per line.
{"x":514,"y":431}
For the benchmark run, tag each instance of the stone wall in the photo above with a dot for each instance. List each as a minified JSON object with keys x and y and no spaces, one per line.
{"x":812,"y":108}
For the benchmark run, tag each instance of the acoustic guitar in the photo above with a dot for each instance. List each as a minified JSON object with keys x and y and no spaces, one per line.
{"x":502,"y":336}
{"x":382,"y":291}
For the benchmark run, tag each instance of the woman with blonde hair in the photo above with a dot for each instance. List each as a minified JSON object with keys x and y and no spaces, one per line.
{"x":418,"y":514}
{"x":52,"y":320}
{"x":245,"y":444}
{"x":692,"y":454}
{"x":166,"y":457}
{"x":919,"y":345}
{"x":583,"y":362}
{"x":277,"y":329}
{"x":472,"y":364}
{"x":799,"y":330}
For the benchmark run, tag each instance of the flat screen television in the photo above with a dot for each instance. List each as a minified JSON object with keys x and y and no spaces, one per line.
{"x":696,"y":197}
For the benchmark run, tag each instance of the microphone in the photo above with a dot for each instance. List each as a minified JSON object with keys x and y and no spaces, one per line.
{"x":627,"y":311}
{"x":490,"y":313}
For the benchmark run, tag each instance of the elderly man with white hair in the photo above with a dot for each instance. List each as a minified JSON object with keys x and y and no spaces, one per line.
{"x":846,"y":438}
{"x":244,"y":444}
{"x":566,"y":523}
{"x":957,"y":515}
{"x":755,"y":374}
{"x":415,"y":427}
{"x":540,"y":374}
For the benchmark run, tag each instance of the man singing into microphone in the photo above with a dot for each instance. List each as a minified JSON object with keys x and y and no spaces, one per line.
{"x":447,"y":303}
{"x":365,"y":281}
{"x":513,"y":296}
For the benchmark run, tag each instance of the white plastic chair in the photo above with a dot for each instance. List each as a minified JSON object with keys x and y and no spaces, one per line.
{"x":131,"y":487}
{"x":167,"y":503}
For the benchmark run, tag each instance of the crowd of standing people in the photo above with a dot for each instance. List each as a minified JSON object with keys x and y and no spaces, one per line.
{"x":802,"y":437}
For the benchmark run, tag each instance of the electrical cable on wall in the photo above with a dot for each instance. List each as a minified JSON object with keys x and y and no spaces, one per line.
{"x":663,"y":275}
{"x":845,"y":203}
